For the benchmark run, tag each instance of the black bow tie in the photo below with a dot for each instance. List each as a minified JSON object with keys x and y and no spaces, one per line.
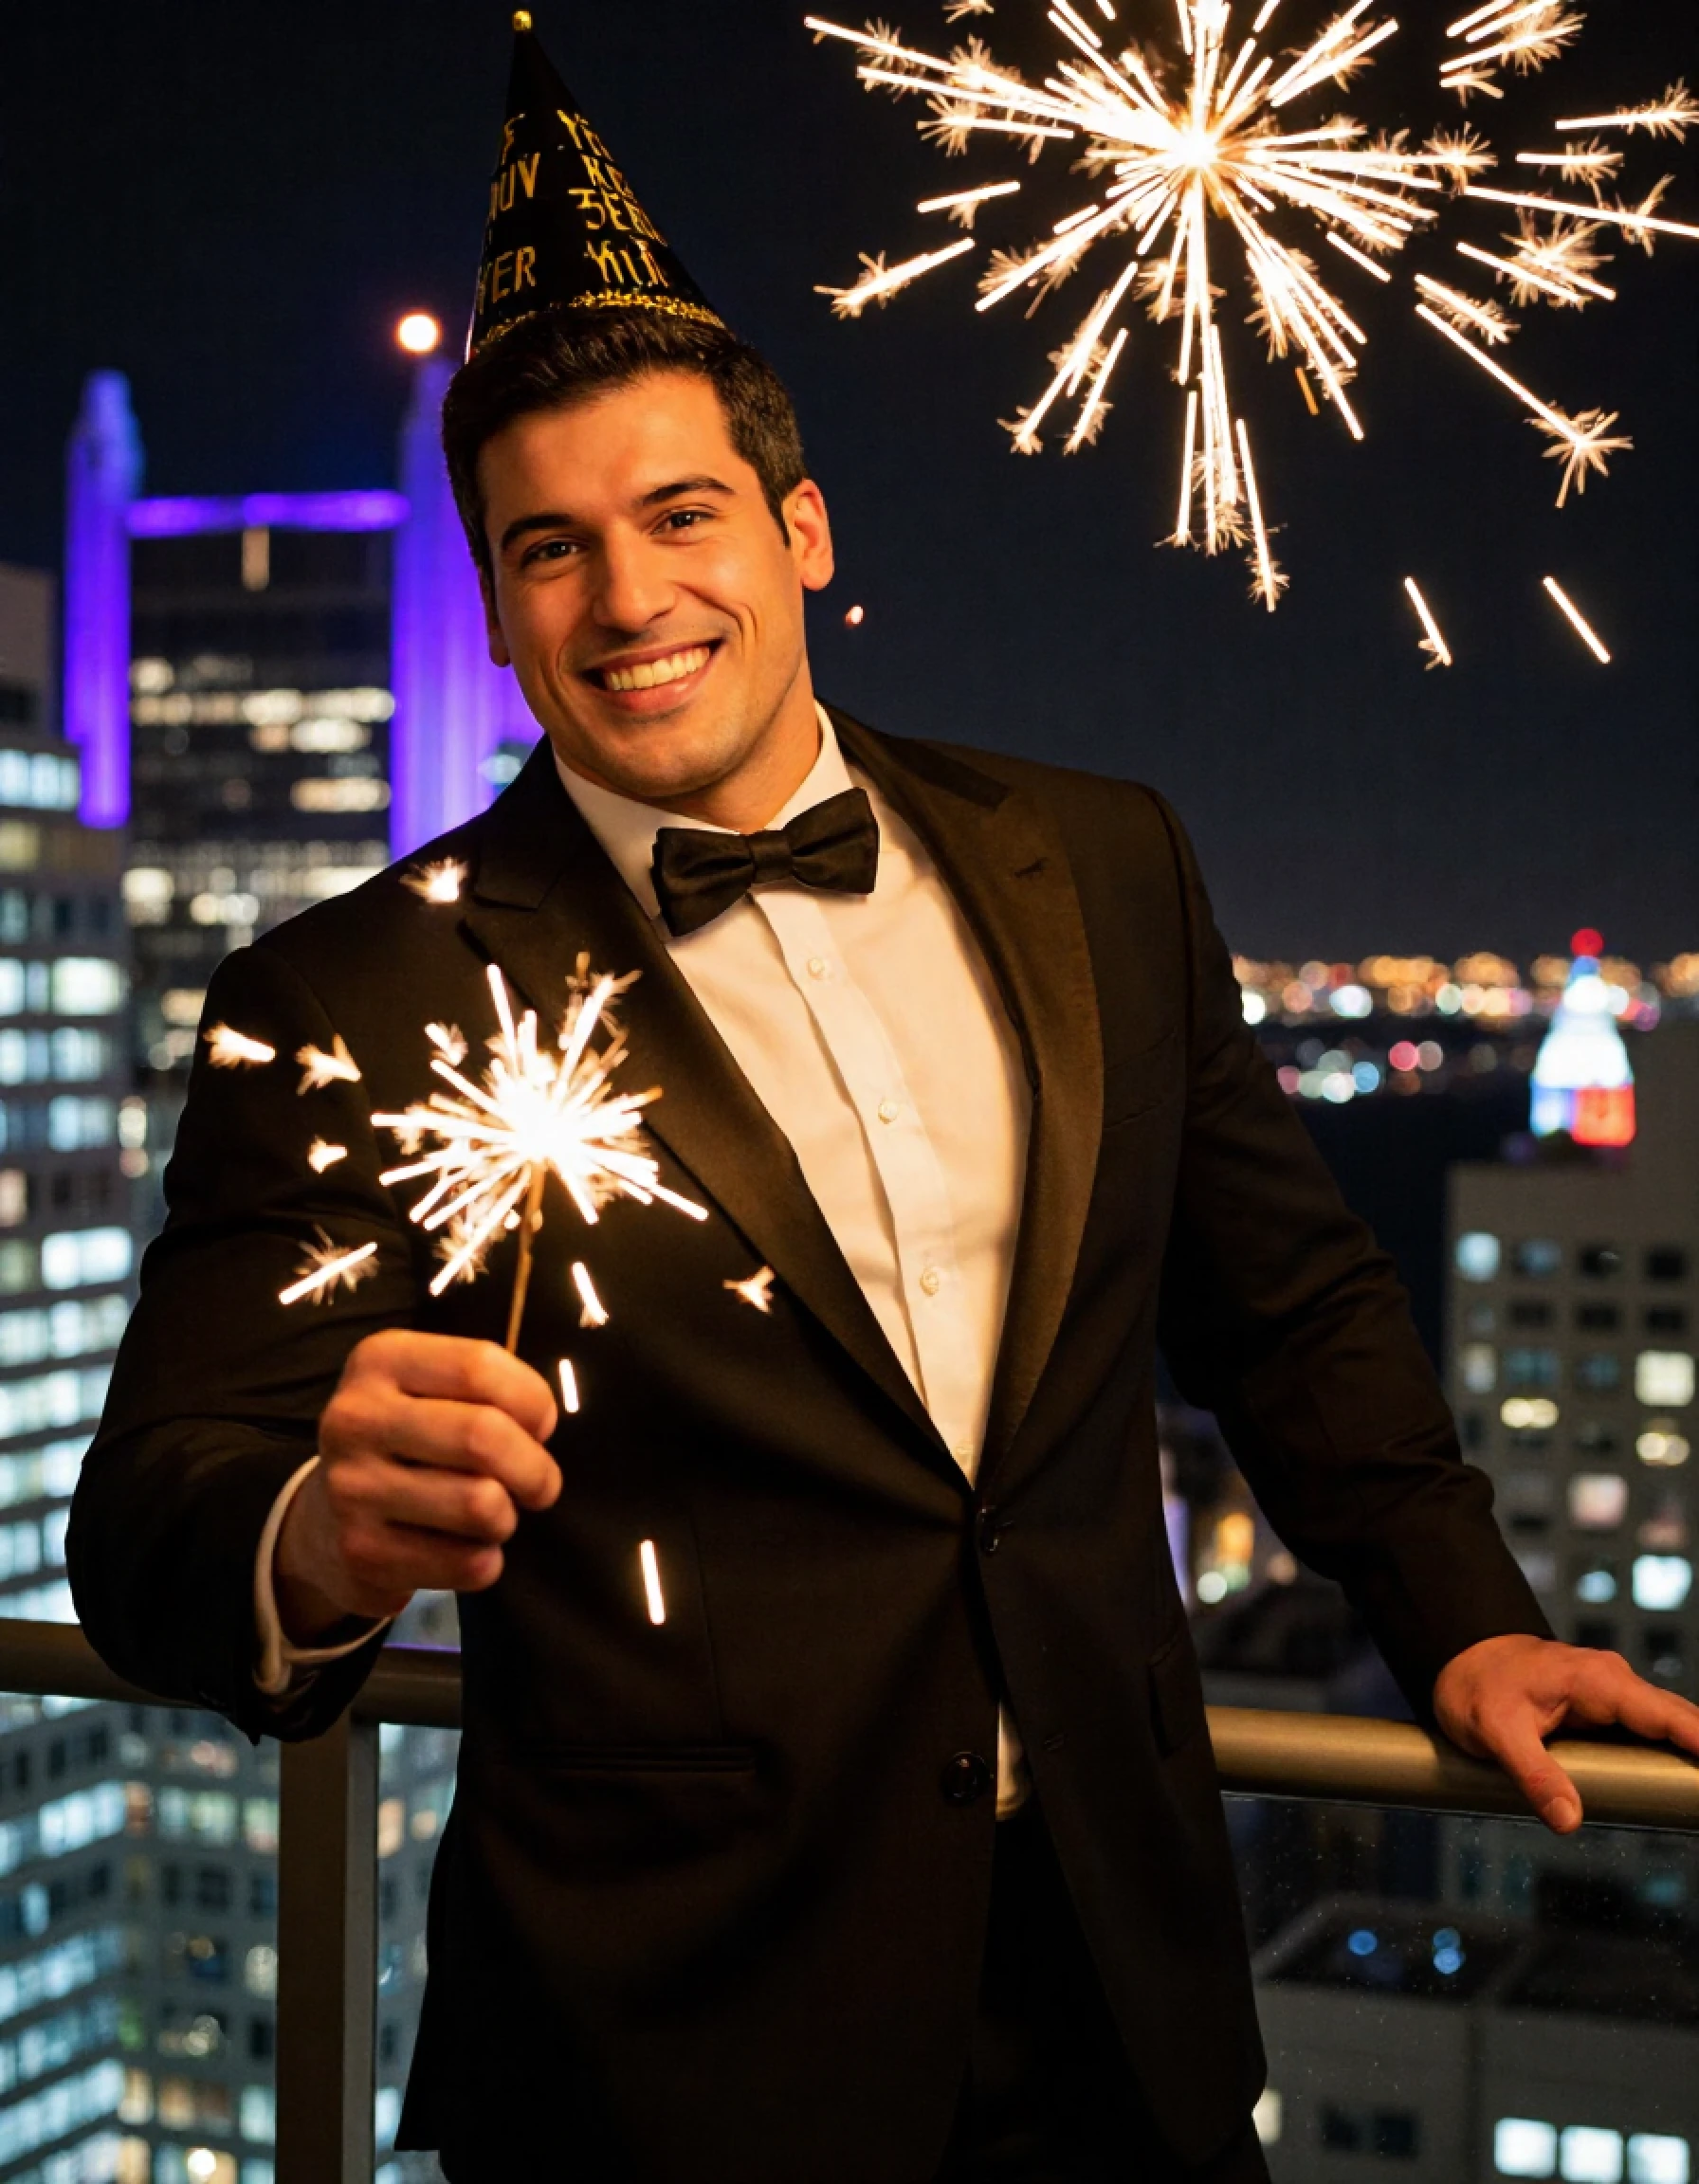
{"x":700,"y":875}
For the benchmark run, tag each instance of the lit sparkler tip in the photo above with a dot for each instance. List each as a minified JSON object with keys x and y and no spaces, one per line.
{"x":756,"y":1289}
{"x":438,"y":882}
{"x":1671,"y":116}
{"x":1577,"y":621}
{"x":880,"y":282}
{"x":1434,"y":641}
{"x":320,"y":1069}
{"x":329,"y":1268}
{"x":593,"y":1313}
{"x":231,"y":1050}
{"x":569,"y":1387}
{"x":649,"y":1564}
{"x":320,"y":1156}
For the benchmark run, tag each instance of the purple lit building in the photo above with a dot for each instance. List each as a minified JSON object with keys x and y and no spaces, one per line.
{"x":276,"y":693}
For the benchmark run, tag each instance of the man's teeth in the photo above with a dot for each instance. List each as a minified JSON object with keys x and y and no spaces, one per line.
{"x":650,"y":674}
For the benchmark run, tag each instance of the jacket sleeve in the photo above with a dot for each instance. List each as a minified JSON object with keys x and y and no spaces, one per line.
{"x":218,"y":1386}
{"x":1280,"y":1314}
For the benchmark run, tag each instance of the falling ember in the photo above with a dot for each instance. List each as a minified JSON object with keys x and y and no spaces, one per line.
{"x":320,"y":1156}
{"x":880,"y":282}
{"x":855,"y":617}
{"x":328,"y":1269}
{"x":227,"y":1050}
{"x":963,"y":205}
{"x":1577,"y":621}
{"x":438,"y":882}
{"x":569,"y":1388}
{"x":533,"y":1111}
{"x":320,"y":1068}
{"x":757,"y":1289}
{"x":651,"y":1582}
{"x":594,"y":1313}
{"x":1433,"y":644}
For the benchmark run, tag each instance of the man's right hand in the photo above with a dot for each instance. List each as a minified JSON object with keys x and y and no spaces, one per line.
{"x":431,"y":1447}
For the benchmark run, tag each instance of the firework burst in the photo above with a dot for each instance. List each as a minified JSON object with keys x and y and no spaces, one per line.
{"x":537,"y":1111}
{"x":1188,"y":159}
{"x":1206,"y":156}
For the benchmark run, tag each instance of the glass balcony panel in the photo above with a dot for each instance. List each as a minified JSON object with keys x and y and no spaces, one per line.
{"x":1465,"y":2000}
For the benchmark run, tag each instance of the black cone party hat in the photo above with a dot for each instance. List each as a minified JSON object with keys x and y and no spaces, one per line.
{"x":564,"y":228}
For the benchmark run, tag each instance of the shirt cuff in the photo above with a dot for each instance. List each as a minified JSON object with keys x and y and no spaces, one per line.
{"x":280,"y":1663}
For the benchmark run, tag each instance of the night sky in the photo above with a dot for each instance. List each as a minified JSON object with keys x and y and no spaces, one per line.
{"x":233,"y":203}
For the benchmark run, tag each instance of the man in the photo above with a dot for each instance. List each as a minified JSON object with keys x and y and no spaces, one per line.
{"x":835,"y":1805}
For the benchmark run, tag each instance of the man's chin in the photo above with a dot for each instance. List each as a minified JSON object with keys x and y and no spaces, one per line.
{"x":656,"y":760}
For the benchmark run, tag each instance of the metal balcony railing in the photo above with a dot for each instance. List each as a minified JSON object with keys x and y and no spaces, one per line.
{"x":327,"y":1971}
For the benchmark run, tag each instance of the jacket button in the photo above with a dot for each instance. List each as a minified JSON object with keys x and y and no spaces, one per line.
{"x":965,"y":1778}
{"x":991,"y":1531}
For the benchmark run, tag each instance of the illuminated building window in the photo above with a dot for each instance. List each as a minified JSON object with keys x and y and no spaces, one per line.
{"x":77,"y":1258}
{"x":1477,"y":1256}
{"x":1479,"y":1365}
{"x":1529,"y":1413}
{"x":1522,"y":2147}
{"x":1661,"y":1446}
{"x":52,"y":1399}
{"x":1595,"y":1586}
{"x":1538,"y":1257}
{"x":1587,"y":2154}
{"x":1655,"y":2157}
{"x":38,"y":781}
{"x":1597,"y":1500}
{"x":1530,"y":1368}
{"x":1665,"y":1377}
{"x":88,"y":986}
{"x":1599,"y":1371}
{"x":28,"y":1981}
{"x":1662,"y":1582}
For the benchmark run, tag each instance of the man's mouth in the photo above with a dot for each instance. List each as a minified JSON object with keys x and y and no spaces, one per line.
{"x":653,"y":674}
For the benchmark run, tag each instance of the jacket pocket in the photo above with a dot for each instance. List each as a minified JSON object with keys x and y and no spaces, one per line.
{"x":1175,"y":1693}
{"x":1135,"y":1084}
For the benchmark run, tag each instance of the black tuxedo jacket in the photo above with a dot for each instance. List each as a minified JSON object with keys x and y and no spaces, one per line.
{"x":711,"y":1900}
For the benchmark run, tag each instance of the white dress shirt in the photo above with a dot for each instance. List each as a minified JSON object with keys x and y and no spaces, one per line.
{"x":870,"y":1029}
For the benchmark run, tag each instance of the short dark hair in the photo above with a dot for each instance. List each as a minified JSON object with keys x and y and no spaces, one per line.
{"x":561,"y":358}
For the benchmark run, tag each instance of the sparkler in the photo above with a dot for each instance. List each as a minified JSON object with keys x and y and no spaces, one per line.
{"x":1432,"y":644}
{"x":535,"y":1112}
{"x":1577,"y":621}
{"x":329,"y":1268}
{"x":320,"y":1069}
{"x":438,"y":882}
{"x":1176,"y":165}
{"x":756,"y":1289}
{"x":320,"y":1156}
{"x":650,"y":1566}
{"x":229,"y":1050}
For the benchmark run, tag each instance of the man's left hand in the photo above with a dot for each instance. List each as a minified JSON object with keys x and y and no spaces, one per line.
{"x":1501,"y":1699}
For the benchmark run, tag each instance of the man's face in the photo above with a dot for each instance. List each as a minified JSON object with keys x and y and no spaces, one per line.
{"x":645,"y":596}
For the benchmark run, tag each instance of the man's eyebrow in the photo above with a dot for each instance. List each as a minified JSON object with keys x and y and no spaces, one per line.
{"x":702,"y":484}
{"x":555,"y":520}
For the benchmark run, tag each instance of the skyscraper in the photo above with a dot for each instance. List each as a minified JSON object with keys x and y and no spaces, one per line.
{"x":1572,"y":1366}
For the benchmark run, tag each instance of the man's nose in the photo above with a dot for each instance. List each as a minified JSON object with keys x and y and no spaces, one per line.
{"x":635,"y":588}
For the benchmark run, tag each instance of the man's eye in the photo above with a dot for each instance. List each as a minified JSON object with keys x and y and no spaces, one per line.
{"x":550,"y":550}
{"x":685,"y":519}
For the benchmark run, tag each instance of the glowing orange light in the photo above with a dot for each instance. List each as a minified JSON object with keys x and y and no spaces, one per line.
{"x":419,"y":334}
{"x":855,"y":617}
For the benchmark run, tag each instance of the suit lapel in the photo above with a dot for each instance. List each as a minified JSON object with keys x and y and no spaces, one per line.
{"x":1004,"y":862}
{"x":545,"y":893}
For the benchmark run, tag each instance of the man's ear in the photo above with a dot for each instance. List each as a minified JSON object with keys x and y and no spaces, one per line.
{"x":499,"y":654}
{"x":810,"y":536}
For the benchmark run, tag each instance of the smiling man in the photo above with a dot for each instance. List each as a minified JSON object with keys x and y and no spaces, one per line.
{"x":835,"y":1801}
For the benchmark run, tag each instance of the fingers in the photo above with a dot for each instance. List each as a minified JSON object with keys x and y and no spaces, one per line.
{"x":1605,"y":1690}
{"x":1510,"y":1733}
{"x":376,"y":1413}
{"x":458,"y":1371}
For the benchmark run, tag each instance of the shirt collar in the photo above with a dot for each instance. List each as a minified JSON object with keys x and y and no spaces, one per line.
{"x":626,"y":828}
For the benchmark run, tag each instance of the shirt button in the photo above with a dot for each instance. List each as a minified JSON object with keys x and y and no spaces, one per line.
{"x":932,"y":1282}
{"x":889,"y":1110}
{"x":818,"y":967}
